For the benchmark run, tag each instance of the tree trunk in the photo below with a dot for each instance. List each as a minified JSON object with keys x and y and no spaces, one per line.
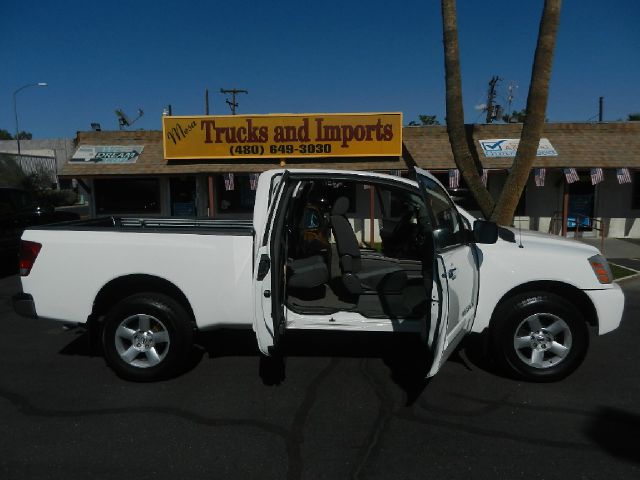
{"x":534,"y":120}
{"x":455,"y":114}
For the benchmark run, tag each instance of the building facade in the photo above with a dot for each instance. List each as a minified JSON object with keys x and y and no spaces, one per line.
{"x":578,"y":183}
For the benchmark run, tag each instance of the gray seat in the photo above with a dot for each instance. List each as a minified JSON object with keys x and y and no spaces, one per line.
{"x":359,"y":274}
{"x":307,"y":272}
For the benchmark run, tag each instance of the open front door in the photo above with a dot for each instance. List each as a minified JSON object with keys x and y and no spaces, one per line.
{"x":455,"y":274}
{"x":269,"y":273}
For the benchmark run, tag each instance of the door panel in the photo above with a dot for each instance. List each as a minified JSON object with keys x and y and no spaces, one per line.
{"x":462,"y":278}
{"x":437,"y":322}
{"x":269,"y":274}
{"x":457,"y":270}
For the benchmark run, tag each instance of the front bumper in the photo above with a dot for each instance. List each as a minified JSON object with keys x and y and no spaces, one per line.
{"x":609,"y":306}
{"x":23,"y":305}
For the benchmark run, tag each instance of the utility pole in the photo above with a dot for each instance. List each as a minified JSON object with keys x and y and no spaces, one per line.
{"x":206,"y":101}
{"x":232,"y":103}
{"x":492,"y":110}
{"x":600,"y":109}
{"x":511,"y":93}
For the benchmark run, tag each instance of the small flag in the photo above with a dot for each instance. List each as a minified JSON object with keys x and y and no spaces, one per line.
{"x":597,"y":176}
{"x":395,"y":173}
{"x":485,"y":176}
{"x":228,"y":181}
{"x":454,"y":178}
{"x":253,"y":180}
{"x":539,"y":174}
{"x":623,"y":175}
{"x":571,"y":175}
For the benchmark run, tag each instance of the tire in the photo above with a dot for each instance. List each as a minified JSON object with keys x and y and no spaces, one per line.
{"x":147,"y":337}
{"x":539,"y":337}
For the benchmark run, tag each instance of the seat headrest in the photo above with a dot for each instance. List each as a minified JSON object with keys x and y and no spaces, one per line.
{"x":340,"y":206}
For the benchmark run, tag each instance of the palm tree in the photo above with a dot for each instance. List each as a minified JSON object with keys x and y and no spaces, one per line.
{"x":502,"y":211}
{"x":455,"y":115}
{"x":534,"y":118}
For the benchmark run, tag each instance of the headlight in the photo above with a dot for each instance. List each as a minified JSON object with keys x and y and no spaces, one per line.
{"x":601,"y":269}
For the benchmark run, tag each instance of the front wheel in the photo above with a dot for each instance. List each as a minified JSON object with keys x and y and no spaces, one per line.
{"x":147,"y":337}
{"x":539,"y":337}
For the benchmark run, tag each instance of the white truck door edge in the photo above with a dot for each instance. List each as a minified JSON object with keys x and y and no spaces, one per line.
{"x":267,"y":277}
{"x":439,"y":318}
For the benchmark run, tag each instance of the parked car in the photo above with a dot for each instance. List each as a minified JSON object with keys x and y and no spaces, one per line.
{"x":20,"y":210}
{"x":146,"y":284}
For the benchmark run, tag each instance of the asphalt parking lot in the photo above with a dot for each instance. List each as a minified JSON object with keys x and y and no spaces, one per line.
{"x":339,"y":407}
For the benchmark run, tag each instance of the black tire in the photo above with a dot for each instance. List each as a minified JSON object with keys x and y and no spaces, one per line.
{"x":539,"y":336}
{"x":147,"y":337}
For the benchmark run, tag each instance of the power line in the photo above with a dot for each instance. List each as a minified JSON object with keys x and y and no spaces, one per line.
{"x":232,"y":103}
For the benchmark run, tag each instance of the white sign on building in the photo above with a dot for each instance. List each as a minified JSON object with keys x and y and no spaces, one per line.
{"x":507,"y":147}
{"x":107,"y":153}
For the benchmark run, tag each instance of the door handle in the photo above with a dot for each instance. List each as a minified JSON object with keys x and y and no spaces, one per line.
{"x":263,"y":267}
{"x":452,"y":273}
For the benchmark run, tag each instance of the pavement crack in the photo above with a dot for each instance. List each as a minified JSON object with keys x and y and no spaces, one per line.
{"x":380,"y":424}
{"x":26,"y":407}
{"x":295,"y":437}
{"x":487,"y":406}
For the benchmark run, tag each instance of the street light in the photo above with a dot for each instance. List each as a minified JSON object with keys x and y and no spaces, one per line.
{"x":15,"y":108}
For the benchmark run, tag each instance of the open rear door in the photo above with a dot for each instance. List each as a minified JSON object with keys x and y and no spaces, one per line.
{"x":435,"y":328}
{"x":269,"y":274}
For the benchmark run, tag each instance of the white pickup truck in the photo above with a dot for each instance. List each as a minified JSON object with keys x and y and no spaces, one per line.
{"x":303,"y":262}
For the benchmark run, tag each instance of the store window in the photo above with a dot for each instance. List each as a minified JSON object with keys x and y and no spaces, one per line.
{"x":127,"y":195}
{"x":635,"y":191}
{"x":236,"y":196}
{"x":183,"y":197}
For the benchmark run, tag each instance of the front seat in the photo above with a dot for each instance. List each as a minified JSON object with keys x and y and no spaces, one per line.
{"x":359,"y":275}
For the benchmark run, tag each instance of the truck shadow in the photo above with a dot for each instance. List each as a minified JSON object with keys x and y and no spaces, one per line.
{"x":403,"y":354}
{"x":614,"y":431}
{"x":476,"y":353}
{"x":8,"y":266}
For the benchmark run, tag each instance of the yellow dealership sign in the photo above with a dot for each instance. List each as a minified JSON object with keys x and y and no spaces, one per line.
{"x":282,"y":136}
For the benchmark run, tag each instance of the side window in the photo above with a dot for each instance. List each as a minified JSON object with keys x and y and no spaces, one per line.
{"x":448,"y":229}
{"x":22,"y":200}
{"x":6,"y":206}
{"x":402,"y":223}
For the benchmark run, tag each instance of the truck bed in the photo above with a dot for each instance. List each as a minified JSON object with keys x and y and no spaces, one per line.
{"x":205,"y":226}
{"x":210,"y":261}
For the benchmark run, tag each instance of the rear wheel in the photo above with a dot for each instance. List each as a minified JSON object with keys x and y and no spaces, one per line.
{"x":147,"y":337}
{"x":539,"y":337}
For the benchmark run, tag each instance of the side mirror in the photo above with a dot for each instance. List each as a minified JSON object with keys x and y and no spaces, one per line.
{"x":485,"y":231}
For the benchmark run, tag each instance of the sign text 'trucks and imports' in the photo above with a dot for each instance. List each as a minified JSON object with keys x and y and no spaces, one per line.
{"x":280,"y":136}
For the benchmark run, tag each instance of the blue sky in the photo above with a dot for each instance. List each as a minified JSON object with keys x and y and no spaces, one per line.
{"x":330,"y":56}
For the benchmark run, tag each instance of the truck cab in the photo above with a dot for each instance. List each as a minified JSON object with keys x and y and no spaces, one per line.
{"x":318,"y":267}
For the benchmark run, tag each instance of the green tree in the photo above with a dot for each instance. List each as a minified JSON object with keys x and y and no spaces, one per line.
{"x":11,"y":174}
{"x":25,"y":135}
{"x":424,"y":120}
{"x":634,"y":117}
{"x":5,"y":135}
{"x":503,"y":210}
{"x":517,"y":116}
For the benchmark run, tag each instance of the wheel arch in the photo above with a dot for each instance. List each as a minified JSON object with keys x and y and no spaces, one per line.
{"x":572,"y":294}
{"x":125,"y":286}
